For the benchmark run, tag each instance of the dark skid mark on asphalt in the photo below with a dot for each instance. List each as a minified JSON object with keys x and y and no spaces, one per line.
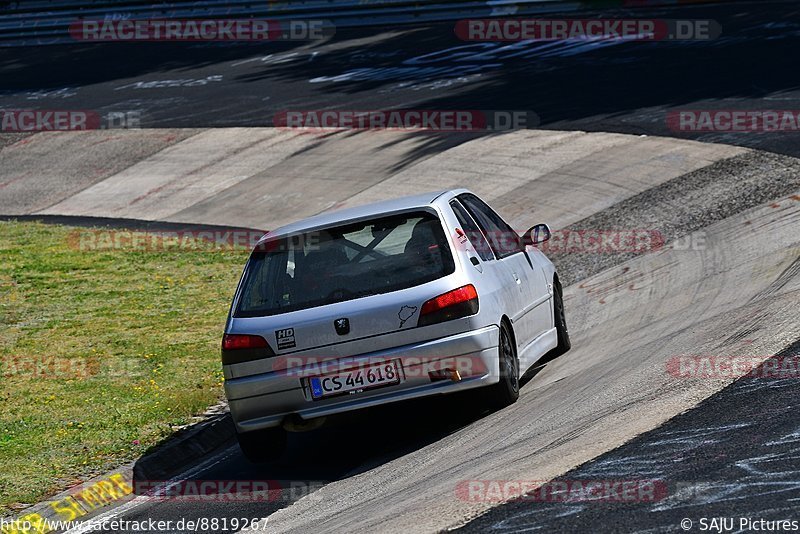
{"x":737,"y":454}
{"x":619,"y":87}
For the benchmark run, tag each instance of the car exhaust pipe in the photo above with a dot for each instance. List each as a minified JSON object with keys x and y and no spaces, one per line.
{"x":445,"y":374}
{"x":295,"y":423}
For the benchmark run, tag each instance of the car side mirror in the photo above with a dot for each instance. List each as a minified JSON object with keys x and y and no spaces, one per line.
{"x":538,"y":234}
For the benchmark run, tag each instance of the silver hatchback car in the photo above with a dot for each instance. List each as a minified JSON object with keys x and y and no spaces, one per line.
{"x":422,"y":295}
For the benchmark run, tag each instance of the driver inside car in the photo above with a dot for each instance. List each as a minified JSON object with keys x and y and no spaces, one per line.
{"x":422,"y":247}
{"x":326,"y":257}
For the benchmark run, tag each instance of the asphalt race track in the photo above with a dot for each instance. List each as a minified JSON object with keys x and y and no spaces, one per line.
{"x":726,"y":281}
{"x":612,"y":86}
{"x":723,"y":459}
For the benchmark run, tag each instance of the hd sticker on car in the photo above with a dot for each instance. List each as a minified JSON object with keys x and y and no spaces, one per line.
{"x":285,"y":338}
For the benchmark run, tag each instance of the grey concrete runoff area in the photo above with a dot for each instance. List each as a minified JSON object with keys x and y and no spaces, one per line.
{"x":724,"y":283}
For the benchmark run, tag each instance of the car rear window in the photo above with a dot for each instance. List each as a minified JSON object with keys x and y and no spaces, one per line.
{"x":343,"y":263}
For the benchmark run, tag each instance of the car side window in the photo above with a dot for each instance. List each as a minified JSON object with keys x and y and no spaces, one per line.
{"x":472,"y":231}
{"x":503,"y":239}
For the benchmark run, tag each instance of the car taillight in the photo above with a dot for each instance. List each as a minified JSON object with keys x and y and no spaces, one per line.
{"x":242,"y":341}
{"x":454,"y":304}
{"x":239,"y":348}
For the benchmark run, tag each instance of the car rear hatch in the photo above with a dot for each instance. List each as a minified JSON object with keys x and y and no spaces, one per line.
{"x":342,"y":291}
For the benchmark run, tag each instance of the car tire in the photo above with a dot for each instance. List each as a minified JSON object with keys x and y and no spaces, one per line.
{"x":560,"y":319}
{"x":261,"y":446}
{"x":505,"y":392}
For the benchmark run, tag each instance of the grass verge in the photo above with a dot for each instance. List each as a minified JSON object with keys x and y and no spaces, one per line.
{"x":102,"y":353}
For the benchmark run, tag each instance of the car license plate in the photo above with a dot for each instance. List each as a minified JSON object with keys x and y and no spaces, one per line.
{"x":355,"y":380}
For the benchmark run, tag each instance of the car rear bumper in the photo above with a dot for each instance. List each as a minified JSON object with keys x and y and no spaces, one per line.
{"x":264,"y":400}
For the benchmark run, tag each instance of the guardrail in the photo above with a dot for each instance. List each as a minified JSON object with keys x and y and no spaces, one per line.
{"x":38,"y":22}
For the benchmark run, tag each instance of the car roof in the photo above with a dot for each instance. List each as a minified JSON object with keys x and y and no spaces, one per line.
{"x":362,"y":212}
